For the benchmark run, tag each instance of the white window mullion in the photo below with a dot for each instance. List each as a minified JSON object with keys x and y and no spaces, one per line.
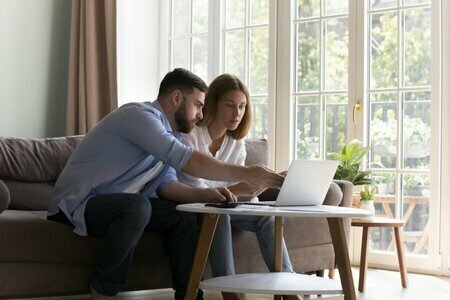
{"x":285,"y":125}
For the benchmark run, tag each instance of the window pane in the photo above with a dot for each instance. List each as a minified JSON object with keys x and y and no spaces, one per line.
{"x":416,"y":201}
{"x":336,"y":54}
{"x":308,"y":8}
{"x":417,"y":47}
{"x":259,"y":60}
{"x":260,"y":123}
{"x":200,"y":56}
{"x":336,"y":122}
{"x":383,"y":51}
{"x":180,"y":53}
{"x":410,"y":2}
{"x":180,"y":17}
{"x":385,"y":182}
{"x":308,"y":127}
{"x":235,"y":53}
{"x":379,"y":4}
{"x":259,"y":11}
{"x":200,"y":16}
{"x":416,"y":130}
{"x":383,"y":130}
{"x":235,"y":13}
{"x":308,"y":56}
{"x":336,"y":7}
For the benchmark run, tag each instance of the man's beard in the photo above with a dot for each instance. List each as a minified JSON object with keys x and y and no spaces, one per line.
{"x":183,"y":124}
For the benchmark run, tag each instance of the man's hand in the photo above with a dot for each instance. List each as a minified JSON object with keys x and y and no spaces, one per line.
{"x":220,"y":194}
{"x":246,"y":191}
{"x":262,"y":176}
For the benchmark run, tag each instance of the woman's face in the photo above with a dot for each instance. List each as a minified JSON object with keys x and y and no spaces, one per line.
{"x":230,"y":109}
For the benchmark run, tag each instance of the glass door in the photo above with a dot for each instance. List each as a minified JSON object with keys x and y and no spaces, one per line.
{"x":398,"y":120}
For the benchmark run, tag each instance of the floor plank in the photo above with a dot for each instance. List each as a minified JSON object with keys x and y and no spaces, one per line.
{"x":380,"y":285}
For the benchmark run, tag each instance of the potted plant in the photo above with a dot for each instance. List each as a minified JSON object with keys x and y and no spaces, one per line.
{"x":366,"y":196}
{"x":350,"y":158}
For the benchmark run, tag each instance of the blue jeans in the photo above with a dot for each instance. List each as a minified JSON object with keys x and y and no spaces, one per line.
{"x":120,"y":220}
{"x":221,"y":252}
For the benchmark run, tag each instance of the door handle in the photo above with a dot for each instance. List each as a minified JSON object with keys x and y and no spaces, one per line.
{"x":356,"y":107}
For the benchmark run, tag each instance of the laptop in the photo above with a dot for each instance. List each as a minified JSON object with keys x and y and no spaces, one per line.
{"x":306,"y":183}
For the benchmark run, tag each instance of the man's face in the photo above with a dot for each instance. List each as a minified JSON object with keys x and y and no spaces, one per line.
{"x":190,"y":111}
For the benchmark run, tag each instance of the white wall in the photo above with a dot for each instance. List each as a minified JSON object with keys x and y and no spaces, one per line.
{"x":34,"y":50}
{"x":138,"y":50}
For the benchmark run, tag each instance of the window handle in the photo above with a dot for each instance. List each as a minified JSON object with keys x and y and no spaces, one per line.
{"x":356,"y":107}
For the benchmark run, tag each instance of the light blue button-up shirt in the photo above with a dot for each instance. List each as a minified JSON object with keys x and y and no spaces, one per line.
{"x":115,"y":155}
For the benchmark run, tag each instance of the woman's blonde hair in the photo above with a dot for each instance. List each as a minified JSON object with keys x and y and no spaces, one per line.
{"x":220,"y":86}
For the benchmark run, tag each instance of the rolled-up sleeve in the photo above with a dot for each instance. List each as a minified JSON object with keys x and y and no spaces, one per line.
{"x":145,"y":128}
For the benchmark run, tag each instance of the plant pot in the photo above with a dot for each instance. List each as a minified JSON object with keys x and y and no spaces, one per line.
{"x":368,"y":205}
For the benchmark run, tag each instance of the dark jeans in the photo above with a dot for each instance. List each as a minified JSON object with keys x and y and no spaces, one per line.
{"x":120,"y":219}
{"x":181,"y":232}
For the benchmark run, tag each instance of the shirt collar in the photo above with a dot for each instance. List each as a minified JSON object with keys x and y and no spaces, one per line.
{"x":155,"y":104}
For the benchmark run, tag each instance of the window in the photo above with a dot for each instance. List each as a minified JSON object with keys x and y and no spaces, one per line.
{"x":188,"y":40}
{"x":313,"y":60}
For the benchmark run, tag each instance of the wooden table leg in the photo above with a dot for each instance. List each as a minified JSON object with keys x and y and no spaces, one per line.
{"x":278,"y":250}
{"x":337,"y":233}
{"x":201,"y":254}
{"x":401,"y":257}
{"x":363,"y":260}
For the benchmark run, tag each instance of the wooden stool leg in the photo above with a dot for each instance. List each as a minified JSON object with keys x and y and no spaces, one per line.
{"x":331,"y":273}
{"x":401,"y":257}
{"x":363,"y":260}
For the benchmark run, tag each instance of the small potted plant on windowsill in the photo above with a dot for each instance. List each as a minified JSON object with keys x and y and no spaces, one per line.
{"x":367,"y":195}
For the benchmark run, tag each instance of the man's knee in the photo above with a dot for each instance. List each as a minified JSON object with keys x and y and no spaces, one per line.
{"x":139,"y":210}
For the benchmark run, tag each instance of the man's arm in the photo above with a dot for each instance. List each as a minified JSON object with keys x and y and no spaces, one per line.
{"x":182,"y":193}
{"x":205,"y":166}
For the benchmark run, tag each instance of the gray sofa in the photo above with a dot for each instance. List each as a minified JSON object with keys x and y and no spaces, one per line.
{"x":44,"y":258}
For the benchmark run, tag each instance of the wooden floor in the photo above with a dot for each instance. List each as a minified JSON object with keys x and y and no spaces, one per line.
{"x":380,"y":285}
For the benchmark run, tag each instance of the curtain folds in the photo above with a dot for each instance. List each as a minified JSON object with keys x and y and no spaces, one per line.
{"x":92,"y":87}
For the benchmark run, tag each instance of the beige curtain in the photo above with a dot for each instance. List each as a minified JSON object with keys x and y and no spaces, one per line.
{"x":92,"y":88}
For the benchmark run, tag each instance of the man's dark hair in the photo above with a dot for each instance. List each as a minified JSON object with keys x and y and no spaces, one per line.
{"x":183,"y":80}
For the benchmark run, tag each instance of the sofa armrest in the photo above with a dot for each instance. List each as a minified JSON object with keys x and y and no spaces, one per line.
{"x":4,"y":197}
{"x":347,"y":192}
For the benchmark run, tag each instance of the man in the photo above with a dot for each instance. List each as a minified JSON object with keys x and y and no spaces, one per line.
{"x":119,"y":174}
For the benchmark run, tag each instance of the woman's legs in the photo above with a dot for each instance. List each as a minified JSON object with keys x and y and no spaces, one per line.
{"x":221,"y":252}
{"x":264,"y":227}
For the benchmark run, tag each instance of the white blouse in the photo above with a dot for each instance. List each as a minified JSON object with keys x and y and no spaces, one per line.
{"x":231,"y":151}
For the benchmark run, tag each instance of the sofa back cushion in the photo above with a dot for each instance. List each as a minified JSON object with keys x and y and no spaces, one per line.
{"x":35,"y":160}
{"x":30,"y":167}
{"x":257,"y":152}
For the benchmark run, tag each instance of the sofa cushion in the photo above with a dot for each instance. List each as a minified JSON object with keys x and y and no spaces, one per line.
{"x":28,"y":237}
{"x":4,"y":197}
{"x":35,"y":160}
{"x":29,"y":195}
{"x":257,"y":152}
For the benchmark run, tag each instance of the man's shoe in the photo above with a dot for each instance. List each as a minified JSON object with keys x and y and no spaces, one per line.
{"x":97,"y":296}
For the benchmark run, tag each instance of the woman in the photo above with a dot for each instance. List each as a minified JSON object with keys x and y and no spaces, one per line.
{"x":226,"y":121}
